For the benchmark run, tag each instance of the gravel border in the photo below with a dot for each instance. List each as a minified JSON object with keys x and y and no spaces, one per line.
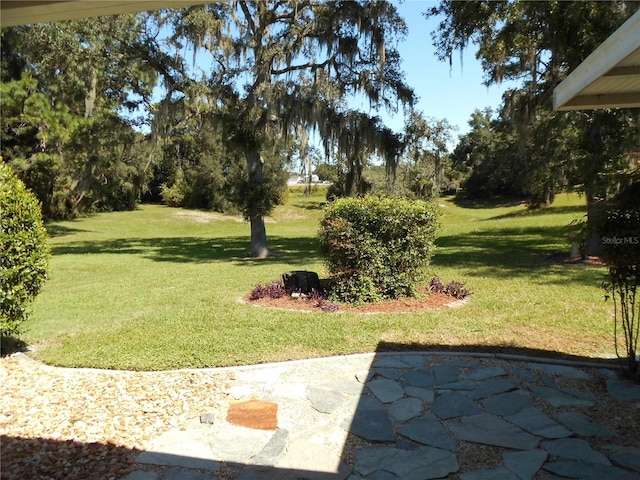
{"x":67,"y":423}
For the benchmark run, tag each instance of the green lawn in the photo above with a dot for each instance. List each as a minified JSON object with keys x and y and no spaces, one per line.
{"x":158,"y":288}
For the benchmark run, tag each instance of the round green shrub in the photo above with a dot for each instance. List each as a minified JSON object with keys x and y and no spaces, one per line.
{"x":377,"y":248}
{"x":24,"y":252}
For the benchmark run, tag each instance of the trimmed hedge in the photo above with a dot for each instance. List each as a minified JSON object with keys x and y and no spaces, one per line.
{"x":24,"y":252}
{"x":377,"y":248}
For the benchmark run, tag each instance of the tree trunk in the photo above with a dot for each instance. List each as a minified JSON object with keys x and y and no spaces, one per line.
{"x":349,"y":179}
{"x":437,"y":177}
{"x":256,"y":216}
{"x":595,"y":215}
{"x":258,"y":237}
{"x":90,"y":98}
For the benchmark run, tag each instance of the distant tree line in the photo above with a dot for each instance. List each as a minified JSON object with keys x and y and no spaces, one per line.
{"x":526,"y":149}
{"x":227,"y":95}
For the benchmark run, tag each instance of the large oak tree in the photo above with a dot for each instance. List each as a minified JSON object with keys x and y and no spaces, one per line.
{"x":278,"y":65}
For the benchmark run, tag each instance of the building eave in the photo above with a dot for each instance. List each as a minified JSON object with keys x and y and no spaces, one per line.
{"x":24,"y":12}
{"x":609,"y":77}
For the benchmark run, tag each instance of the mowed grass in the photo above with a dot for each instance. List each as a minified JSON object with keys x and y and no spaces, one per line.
{"x":159,"y":288}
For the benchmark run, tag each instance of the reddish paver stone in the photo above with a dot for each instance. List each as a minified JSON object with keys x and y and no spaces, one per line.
{"x":256,"y":414}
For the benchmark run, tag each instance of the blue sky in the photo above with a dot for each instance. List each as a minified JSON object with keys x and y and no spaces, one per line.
{"x":444,"y":92}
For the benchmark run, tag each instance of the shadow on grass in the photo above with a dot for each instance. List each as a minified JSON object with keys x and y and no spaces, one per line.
{"x":510,"y":252}
{"x":312,"y":205}
{"x":297,"y":250}
{"x":498,"y":202}
{"x":539,"y":212}
{"x":515,"y":202}
{"x":61,"y":231}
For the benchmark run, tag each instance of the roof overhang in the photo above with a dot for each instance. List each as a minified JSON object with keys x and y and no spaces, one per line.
{"x":609,"y":77}
{"x":23,"y":12}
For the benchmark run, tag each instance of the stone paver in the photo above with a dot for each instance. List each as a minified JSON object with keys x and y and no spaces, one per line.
{"x":416,"y":410}
{"x":390,"y":362}
{"x":575,"y":449}
{"x":453,"y":404}
{"x":386,"y":391}
{"x":446,"y":373}
{"x":419,"y":379}
{"x":623,"y":391}
{"x":181,"y":449}
{"x":486,"y":373}
{"x":428,"y":430}
{"x":628,"y":457}
{"x":560,"y":370}
{"x":534,"y":421}
{"x":405,"y":409}
{"x":508,"y":403}
{"x":524,"y":464}
{"x":273,"y":450}
{"x":493,"y":474}
{"x":588,"y":471}
{"x":489,"y":429}
{"x":421,"y":464}
{"x":557,"y":398}
{"x":425,"y":394}
{"x":185,"y":459}
{"x":326,"y":400}
{"x":492,"y":387}
{"x":583,"y":426}
{"x":389,"y":373}
{"x":524,"y":373}
{"x":372,"y":423}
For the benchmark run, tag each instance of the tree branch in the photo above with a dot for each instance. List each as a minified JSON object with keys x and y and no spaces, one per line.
{"x":293,"y":14}
{"x":304,"y":66}
{"x":247,"y":15}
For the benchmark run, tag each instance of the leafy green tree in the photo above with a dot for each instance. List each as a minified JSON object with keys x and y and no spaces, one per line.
{"x":282,"y":64}
{"x":196,"y":170}
{"x":34,"y":131}
{"x":484,"y":155}
{"x":425,"y":144}
{"x":550,"y":158}
{"x":202,"y":167}
{"x":327,"y":172}
{"x":500,"y":162}
{"x":65,"y":89}
{"x":538,"y":44}
{"x":354,"y":139}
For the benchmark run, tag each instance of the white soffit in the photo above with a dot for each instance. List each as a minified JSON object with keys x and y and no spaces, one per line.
{"x":609,"y":77}
{"x":24,"y":12}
